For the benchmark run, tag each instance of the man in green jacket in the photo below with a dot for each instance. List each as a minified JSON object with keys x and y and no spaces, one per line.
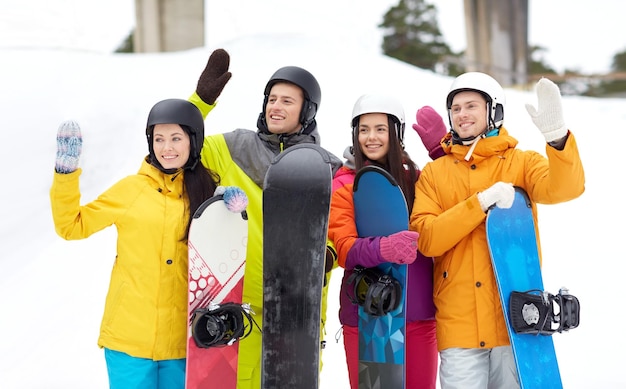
{"x":291,"y":99}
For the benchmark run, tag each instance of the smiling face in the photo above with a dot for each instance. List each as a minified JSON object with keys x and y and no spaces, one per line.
{"x":373,"y":136}
{"x":282,"y":112}
{"x":469,"y":114}
{"x":171,"y":145}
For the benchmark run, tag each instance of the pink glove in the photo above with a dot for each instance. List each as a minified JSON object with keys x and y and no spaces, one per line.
{"x":400,"y":247}
{"x":431,"y":129}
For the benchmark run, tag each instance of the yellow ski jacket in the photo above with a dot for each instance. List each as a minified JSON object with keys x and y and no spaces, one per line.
{"x":145,"y":313}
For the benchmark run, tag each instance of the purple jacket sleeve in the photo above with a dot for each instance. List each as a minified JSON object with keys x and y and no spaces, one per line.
{"x":364,"y":252}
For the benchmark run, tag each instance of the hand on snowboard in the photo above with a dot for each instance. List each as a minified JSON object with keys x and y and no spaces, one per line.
{"x":235,"y":199}
{"x":400,"y":247}
{"x":500,"y":194}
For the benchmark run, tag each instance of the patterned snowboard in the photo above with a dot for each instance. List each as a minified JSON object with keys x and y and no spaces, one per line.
{"x":380,"y":209}
{"x":217,"y":257}
{"x":296,"y":205}
{"x":515,"y":257}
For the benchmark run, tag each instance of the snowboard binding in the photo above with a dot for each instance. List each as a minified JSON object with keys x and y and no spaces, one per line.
{"x":221,"y":324}
{"x":541,"y":313}
{"x":377,"y":292}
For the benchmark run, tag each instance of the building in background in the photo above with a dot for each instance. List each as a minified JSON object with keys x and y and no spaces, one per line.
{"x":168,"y":25}
{"x":497,"y":39}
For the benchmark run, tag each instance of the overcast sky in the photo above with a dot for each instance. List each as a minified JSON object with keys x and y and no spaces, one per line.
{"x":573,"y":38}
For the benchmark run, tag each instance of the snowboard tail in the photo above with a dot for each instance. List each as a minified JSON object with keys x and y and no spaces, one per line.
{"x":296,"y":206}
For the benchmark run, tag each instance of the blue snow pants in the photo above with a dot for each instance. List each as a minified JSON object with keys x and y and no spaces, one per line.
{"x":126,"y":372}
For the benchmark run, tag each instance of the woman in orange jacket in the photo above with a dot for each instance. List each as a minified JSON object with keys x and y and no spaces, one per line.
{"x":378,"y":129}
{"x":479,"y":169}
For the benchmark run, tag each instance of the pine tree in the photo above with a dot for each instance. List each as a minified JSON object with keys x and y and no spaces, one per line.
{"x":412,"y":35}
{"x":617,"y":86}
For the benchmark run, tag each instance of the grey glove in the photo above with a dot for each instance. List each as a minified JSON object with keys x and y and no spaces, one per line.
{"x":69,"y":147}
{"x":548,"y":116}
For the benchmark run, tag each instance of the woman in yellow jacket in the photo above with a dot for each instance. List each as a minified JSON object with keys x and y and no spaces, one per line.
{"x":144,"y":327}
{"x":452,"y":196}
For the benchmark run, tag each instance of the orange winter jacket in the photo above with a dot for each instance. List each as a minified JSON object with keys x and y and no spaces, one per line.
{"x":451,"y":224}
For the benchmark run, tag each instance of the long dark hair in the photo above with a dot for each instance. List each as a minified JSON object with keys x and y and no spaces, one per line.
{"x":200,"y":185}
{"x":399,"y":164}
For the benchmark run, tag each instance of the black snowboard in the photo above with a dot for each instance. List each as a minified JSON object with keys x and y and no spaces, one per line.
{"x":296,"y":204}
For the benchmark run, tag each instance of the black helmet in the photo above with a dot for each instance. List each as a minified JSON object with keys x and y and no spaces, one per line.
{"x":188,"y":116}
{"x":309,"y":85}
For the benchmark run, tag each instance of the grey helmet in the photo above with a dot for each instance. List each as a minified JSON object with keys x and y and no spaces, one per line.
{"x":310,"y":88}
{"x":185,"y":114}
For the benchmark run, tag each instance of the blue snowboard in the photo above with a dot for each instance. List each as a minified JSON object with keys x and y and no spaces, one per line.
{"x":515,"y":258}
{"x":380,"y":209}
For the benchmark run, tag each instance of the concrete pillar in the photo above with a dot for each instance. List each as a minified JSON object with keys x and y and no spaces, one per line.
{"x":497,"y":39}
{"x":168,"y":25}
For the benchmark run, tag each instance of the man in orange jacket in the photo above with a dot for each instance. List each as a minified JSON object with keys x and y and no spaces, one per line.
{"x":452,"y":196}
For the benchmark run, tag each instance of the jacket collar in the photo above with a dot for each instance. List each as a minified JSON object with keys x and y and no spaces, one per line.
{"x":485,"y":148}
{"x":165,"y":183}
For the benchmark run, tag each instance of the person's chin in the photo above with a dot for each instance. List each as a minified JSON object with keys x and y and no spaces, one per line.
{"x":466,"y":134}
{"x":170,"y":166}
{"x":374,"y":157}
{"x":279,"y":130}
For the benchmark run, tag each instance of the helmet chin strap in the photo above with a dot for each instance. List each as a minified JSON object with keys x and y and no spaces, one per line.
{"x":473,"y":143}
{"x":470,"y":140}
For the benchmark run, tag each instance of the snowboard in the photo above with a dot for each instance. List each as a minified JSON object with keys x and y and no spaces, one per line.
{"x":296,"y":206}
{"x":380,"y":210}
{"x":514,"y":253}
{"x":217,"y":256}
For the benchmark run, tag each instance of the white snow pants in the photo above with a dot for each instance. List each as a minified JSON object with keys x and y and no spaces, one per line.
{"x":478,"y":368}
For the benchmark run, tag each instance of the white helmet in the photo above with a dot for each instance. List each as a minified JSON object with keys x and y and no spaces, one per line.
{"x":485,"y":85}
{"x":375,"y":103}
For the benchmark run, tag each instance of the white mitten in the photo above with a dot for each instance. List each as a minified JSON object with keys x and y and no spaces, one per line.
{"x":501,"y":194}
{"x":548,"y":116}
